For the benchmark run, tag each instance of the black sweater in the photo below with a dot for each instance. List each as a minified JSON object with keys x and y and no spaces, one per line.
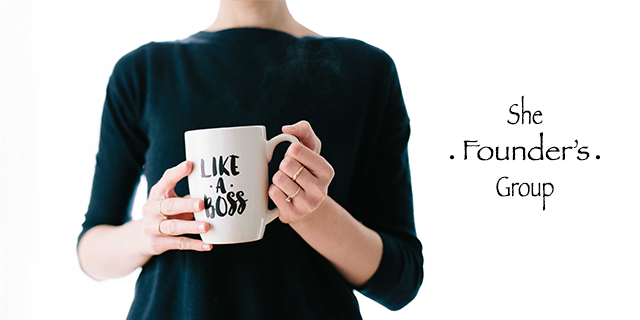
{"x":350,"y":93}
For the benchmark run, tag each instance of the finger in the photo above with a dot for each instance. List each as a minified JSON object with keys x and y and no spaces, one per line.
{"x":304,"y":201}
{"x":180,"y":243}
{"x":164,"y":187}
{"x":303,"y":131}
{"x":290,"y":211}
{"x":284,"y":182}
{"x":316,"y":164}
{"x":278,"y":197}
{"x":173,"y":206}
{"x":290,"y":167}
{"x":177,"y":227}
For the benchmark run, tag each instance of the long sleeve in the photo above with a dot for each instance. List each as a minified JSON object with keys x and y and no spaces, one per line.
{"x":122,"y":147}
{"x":387,"y":206}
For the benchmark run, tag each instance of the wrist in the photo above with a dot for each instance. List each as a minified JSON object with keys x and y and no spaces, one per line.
{"x":309,"y":219}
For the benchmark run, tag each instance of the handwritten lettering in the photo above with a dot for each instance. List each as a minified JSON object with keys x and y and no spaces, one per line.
{"x":226,"y":203}
{"x":221,"y":168}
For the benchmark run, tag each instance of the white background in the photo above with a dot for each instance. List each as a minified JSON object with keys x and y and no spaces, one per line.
{"x":461,"y":65}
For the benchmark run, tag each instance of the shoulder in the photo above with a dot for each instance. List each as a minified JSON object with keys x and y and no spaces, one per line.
{"x":152,"y":52}
{"x":362,"y":59}
{"x":140,"y":55}
{"x":131,"y":63}
{"x":362,"y":51}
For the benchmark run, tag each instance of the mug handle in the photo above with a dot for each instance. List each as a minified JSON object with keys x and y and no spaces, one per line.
{"x":271,"y":145}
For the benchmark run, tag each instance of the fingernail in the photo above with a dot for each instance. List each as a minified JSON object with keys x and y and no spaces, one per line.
{"x":196,"y":205}
{"x":206,"y":247}
{"x":292,"y":128}
{"x":201,"y":228}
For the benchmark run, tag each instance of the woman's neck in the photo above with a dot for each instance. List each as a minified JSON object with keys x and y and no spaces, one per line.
{"x":258,"y":14}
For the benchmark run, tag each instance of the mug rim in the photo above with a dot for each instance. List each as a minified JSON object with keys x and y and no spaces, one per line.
{"x":227,"y":128}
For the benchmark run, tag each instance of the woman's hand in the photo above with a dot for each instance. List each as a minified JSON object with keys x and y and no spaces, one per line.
{"x":353,"y":249}
{"x":165,"y":216}
{"x":298,"y":190}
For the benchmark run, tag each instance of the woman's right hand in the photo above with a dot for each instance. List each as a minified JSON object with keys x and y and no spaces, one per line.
{"x":166,"y":216}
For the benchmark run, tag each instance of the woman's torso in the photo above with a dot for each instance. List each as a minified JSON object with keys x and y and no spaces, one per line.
{"x":250,"y":76}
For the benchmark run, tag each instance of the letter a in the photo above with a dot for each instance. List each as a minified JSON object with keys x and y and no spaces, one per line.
{"x":220,"y":186}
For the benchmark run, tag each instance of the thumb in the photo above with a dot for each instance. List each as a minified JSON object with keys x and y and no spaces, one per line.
{"x":303,"y":131}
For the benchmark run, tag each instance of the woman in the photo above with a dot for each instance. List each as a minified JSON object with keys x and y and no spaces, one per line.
{"x":350,"y":226}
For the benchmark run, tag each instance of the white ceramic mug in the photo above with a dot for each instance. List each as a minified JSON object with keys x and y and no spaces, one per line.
{"x":231,"y":176}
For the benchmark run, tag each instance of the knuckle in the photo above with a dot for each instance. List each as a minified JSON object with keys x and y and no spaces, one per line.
{"x":278,"y":177}
{"x":306,"y":125}
{"x":332,"y":173}
{"x":171,"y":227}
{"x":329,"y":173}
{"x":180,"y":243}
{"x":154,"y":244}
{"x":167,"y":205}
{"x":195,"y":228}
{"x":272,"y":191}
{"x":295,"y":149}
{"x":285,"y":163}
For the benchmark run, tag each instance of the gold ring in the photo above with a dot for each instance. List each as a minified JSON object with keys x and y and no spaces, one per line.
{"x":160,"y":209}
{"x":289,"y":198}
{"x":160,"y":232}
{"x":295,"y":176}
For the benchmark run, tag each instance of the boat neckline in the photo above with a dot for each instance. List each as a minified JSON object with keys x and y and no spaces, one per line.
{"x":267,"y":30}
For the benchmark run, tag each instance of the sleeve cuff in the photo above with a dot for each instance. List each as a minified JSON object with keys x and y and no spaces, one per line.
{"x":398,"y":277}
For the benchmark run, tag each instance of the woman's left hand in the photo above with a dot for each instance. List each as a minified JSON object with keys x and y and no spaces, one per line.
{"x":305,"y":187}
